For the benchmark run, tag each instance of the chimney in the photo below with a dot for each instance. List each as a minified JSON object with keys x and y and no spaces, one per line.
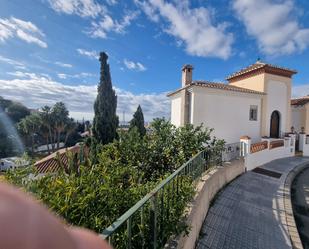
{"x":186,"y":75}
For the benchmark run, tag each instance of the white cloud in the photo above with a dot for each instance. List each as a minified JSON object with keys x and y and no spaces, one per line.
{"x":36,"y":90}
{"x":273,"y":24}
{"x":149,"y":10}
{"x":26,"y":75}
{"x":76,"y":76}
{"x":83,"y":8}
{"x":5,"y":32}
{"x":20,"y":74}
{"x":153,"y":104}
{"x":90,"y":54}
{"x":17,"y":28}
{"x":102,"y":21}
{"x":136,"y":66}
{"x":108,"y":24}
{"x":14,"y":63}
{"x":61,"y":64}
{"x":193,"y":26}
{"x":62,"y":75}
{"x":111,"y":2}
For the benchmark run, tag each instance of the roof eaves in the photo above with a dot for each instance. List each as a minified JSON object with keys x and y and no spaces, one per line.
{"x":256,"y":66}
{"x":226,"y":87}
{"x":178,"y":90}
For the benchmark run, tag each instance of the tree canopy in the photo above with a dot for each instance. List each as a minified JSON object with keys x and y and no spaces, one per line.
{"x":138,"y":121}
{"x":105,"y":121}
{"x":50,"y":125}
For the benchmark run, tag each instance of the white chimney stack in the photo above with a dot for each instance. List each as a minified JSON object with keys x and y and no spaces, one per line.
{"x":186,"y":75}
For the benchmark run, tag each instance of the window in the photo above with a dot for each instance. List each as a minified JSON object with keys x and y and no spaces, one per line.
{"x":253,"y":113}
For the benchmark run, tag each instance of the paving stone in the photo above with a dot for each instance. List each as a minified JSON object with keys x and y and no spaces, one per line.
{"x":249,"y":213}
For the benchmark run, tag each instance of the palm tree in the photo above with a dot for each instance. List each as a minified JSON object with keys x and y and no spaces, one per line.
{"x":69,"y":128}
{"x":60,"y":116}
{"x":46,"y":126}
{"x":30,"y":126}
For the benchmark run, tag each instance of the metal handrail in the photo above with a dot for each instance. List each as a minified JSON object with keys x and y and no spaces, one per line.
{"x":193,"y":168}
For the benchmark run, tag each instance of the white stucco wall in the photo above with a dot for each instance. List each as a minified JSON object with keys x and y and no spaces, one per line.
{"x":227,"y":112}
{"x":303,"y":144}
{"x":277,"y":101}
{"x":253,"y":160}
{"x":298,"y":117}
{"x":176,"y":110}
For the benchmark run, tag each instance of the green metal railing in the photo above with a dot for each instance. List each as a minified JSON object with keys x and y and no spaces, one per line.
{"x":145,"y":224}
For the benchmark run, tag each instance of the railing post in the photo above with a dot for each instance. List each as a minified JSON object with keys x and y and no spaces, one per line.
{"x":129,"y":231}
{"x":161,"y":216}
{"x":142,"y":228}
{"x":153,"y":220}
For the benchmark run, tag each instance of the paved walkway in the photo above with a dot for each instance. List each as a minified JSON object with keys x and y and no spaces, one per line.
{"x":249,"y":212}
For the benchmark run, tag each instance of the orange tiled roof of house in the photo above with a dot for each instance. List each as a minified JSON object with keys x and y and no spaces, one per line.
{"x":300,"y":101}
{"x":50,"y":164}
{"x":261,"y":67}
{"x":217,"y":85}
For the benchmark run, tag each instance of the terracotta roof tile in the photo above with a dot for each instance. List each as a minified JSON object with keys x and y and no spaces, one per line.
{"x":50,"y":163}
{"x":300,"y":101}
{"x":261,"y":65}
{"x":224,"y":86}
{"x":216,"y":85}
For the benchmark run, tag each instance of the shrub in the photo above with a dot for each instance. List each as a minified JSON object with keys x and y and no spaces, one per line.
{"x":120,"y":174}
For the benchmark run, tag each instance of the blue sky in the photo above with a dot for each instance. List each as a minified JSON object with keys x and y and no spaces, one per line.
{"x":49,"y":48}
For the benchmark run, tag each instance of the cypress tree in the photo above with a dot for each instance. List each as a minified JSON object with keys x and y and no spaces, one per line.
{"x":105,"y":121}
{"x":138,"y":121}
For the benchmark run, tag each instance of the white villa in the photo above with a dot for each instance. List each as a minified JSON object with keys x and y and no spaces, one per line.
{"x":300,"y":114}
{"x":255,"y":103}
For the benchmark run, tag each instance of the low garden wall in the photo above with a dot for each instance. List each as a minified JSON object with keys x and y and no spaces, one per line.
{"x":288,"y":207}
{"x":267,"y":150}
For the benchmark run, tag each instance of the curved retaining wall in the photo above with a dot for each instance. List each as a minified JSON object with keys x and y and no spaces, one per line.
{"x":207,"y":188}
{"x":291,"y":224}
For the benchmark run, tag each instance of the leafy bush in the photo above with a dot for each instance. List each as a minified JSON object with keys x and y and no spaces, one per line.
{"x":120,"y":174}
{"x":161,"y":151}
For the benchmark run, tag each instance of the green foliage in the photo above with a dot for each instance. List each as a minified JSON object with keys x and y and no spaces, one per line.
{"x":29,"y":126}
{"x":138,"y":121}
{"x":19,"y":175}
{"x":105,"y":121}
{"x":95,"y":194}
{"x":49,"y":126}
{"x":93,"y":199}
{"x":17,"y":111}
{"x":164,"y":149}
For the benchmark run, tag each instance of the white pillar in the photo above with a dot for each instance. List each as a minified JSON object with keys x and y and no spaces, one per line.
{"x":302,"y":141}
{"x":245,"y":145}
